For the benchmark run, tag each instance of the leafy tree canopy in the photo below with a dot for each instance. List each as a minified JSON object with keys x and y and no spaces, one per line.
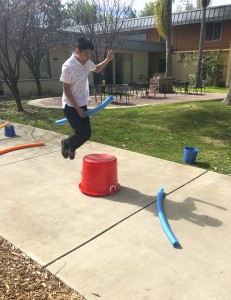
{"x":148,"y":9}
{"x":162,"y":20}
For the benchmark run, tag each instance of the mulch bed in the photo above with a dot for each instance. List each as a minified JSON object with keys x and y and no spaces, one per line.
{"x":23,"y":279}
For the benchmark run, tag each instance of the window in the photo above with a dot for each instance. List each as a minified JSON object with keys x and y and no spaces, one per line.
{"x":45,"y":71}
{"x":137,"y":37}
{"x":120,"y":71}
{"x":213,"y":31}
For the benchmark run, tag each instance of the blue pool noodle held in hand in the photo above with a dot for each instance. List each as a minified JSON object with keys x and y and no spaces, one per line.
{"x":91,"y":111}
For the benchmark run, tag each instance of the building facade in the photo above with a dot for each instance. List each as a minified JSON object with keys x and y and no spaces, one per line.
{"x":141,"y":52}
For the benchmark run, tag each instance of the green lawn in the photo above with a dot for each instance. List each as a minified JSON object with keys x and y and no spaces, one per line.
{"x":157,"y":130}
{"x":222,"y":90}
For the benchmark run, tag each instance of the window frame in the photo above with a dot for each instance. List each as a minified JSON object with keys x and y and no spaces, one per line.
{"x":213,"y":25}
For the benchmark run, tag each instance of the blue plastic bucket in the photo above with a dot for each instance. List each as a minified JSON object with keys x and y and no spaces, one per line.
{"x":190,"y":154}
{"x":9,"y":130}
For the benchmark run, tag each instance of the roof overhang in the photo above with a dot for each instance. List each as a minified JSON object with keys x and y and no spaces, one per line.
{"x":141,"y":46}
{"x":213,"y":14}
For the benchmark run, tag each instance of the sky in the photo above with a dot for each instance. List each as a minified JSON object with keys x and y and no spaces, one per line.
{"x":139,"y":5}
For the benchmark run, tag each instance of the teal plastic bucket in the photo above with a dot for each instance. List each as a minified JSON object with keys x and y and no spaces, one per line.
{"x":190,"y":154}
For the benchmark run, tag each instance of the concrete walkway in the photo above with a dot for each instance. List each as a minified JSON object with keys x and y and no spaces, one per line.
{"x":113,"y":247}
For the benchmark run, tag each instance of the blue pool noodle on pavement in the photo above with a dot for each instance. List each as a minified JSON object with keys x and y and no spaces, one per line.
{"x":163,"y":220}
{"x":91,"y":111}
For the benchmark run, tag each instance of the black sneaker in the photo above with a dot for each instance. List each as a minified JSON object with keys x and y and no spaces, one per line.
{"x":64,"y":149}
{"x":71,"y":153}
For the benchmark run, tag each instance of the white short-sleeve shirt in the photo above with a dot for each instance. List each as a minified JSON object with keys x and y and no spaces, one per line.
{"x":76,"y":74}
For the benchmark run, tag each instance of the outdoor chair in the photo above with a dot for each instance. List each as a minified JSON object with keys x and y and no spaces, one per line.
{"x":192,"y":85}
{"x":180,"y":86}
{"x":93,"y":91}
{"x":153,"y":88}
{"x":119,"y":91}
{"x":198,"y":89}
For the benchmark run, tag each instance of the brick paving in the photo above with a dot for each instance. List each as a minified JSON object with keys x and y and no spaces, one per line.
{"x":55,"y":102}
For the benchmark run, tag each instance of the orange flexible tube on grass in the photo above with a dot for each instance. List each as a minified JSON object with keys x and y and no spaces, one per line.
{"x":4,"y":124}
{"x":21,"y":147}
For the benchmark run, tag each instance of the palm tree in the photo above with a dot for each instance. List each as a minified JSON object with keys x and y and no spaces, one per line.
{"x":204,"y":4}
{"x":163,"y":20}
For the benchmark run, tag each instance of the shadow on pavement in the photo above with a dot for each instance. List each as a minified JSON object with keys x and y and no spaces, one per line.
{"x":186,"y":209}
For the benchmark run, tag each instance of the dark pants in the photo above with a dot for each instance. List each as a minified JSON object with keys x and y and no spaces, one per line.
{"x":81,"y":127}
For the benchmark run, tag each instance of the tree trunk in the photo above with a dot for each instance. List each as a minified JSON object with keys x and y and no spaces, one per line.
{"x":227,"y":100}
{"x":18,"y":99}
{"x":169,"y":41}
{"x":168,"y":57}
{"x":14,"y":90}
{"x":39,"y":87}
{"x":201,"y":44}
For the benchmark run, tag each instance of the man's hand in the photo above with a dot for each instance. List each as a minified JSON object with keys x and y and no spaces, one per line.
{"x":110,"y":55}
{"x":80,"y":112}
{"x":102,"y":65}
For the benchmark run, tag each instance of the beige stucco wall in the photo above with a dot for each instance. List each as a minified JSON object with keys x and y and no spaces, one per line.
{"x":57,"y":57}
{"x":181,"y":69}
{"x":140,"y":65}
{"x":27,"y":87}
{"x":51,"y":86}
{"x":127,"y":72}
{"x":24,"y":70}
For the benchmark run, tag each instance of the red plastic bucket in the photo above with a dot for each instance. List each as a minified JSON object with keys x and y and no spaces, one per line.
{"x":99,"y":175}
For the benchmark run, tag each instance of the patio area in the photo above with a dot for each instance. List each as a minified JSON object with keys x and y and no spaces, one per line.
{"x":55,"y":102}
